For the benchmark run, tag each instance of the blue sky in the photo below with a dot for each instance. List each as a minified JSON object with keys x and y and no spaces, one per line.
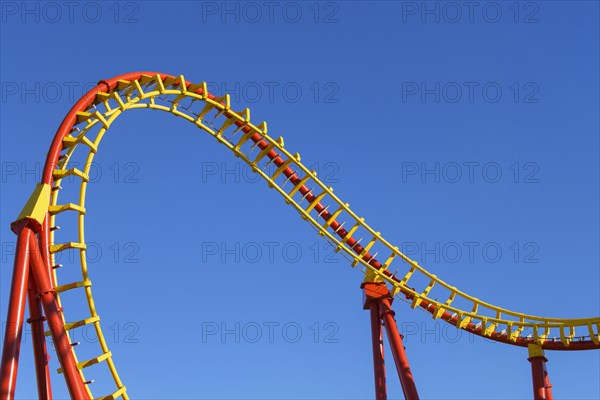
{"x":467,"y":133}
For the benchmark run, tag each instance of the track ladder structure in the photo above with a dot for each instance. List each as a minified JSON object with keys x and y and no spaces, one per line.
{"x":37,"y":277}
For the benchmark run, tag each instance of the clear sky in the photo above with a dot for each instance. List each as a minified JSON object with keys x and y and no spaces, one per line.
{"x":466,"y":132}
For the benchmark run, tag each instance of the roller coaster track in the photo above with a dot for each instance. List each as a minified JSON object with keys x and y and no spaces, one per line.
{"x":82,"y":131}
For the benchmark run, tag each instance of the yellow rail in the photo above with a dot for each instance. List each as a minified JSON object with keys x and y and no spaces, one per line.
{"x":234,"y":130}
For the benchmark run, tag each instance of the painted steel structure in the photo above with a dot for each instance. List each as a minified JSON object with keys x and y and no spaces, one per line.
{"x":36,"y":276}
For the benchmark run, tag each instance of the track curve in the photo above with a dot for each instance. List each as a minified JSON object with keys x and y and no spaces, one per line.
{"x":89,"y":119}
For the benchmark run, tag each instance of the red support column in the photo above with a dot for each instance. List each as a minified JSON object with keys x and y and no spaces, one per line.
{"x":16,"y":313}
{"x":377,"y":294}
{"x":372,"y":292}
{"x":406,"y":377}
{"x":47,"y":296}
{"x":542,"y":389}
{"x":378,"y":361}
{"x":40,"y":354}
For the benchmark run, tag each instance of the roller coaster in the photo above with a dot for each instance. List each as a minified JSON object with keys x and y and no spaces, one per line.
{"x":37,"y":275}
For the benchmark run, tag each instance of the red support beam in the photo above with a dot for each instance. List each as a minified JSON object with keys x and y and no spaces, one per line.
{"x":15,"y":316}
{"x":542,"y":389}
{"x":537,"y":374}
{"x":372,"y":292}
{"x":47,"y":297}
{"x":377,"y":295}
{"x":40,"y":353}
{"x":406,"y":377}
{"x":378,"y":361}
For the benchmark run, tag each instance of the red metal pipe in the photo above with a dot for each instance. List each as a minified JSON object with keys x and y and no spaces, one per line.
{"x":542,"y":389}
{"x":81,"y":105}
{"x":537,"y":375}
{"x":48,"y":300}
{"x":395,"y":339}
{"x":378,"y":360}
{"x":15,"y":315}
{"x":40,"y":353}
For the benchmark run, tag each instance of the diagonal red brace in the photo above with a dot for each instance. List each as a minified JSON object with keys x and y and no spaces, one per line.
{"x":47,"y":298}
{"x":40,"y":352}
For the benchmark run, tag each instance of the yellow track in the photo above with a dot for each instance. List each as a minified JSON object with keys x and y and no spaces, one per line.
{"x":216,"y":118}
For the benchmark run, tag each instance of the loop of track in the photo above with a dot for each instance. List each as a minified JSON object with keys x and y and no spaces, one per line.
{"x":300,"y":187}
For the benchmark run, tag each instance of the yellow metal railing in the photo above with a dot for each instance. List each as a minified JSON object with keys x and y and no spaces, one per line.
{"x":234,"y":130}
